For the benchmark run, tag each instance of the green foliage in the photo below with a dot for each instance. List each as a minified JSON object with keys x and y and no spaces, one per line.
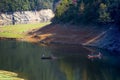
{"x":62,"y":7}
{"x":22,"y":5}
{"x":114,"y":9}
{"x":88,"y":11}
{"x":76,"y":13}
{"x":13,"y":5}
{"x":104,"y":16}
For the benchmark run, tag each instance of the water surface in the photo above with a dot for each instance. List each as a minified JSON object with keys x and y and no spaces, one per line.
{"x":71,"y":62}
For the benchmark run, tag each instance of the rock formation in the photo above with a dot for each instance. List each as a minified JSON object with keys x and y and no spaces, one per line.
{"x":26,"y":17}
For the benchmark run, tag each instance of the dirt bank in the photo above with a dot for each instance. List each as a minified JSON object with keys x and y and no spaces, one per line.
{"x":66,"y":34}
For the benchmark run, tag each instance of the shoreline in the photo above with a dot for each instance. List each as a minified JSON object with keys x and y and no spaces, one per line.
{"x":60,"y":34}
{"x":70,"y":35}
{"x":5,"y":38}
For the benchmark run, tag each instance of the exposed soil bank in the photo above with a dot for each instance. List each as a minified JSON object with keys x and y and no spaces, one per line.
{"x":67,"y":34}
{"x":106,"y":36}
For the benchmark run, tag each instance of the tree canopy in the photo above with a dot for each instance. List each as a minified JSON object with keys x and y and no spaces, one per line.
{"x":21,"y":5}
{"x":88,"y":11}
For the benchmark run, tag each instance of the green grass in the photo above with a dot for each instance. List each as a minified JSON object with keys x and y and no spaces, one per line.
{"x":7,"y":75}
{"x":19,"y":30}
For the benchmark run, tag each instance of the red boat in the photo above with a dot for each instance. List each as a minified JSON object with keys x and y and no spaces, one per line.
{"x":95,"y":56}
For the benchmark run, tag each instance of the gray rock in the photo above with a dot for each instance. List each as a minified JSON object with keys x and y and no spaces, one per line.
{"x":26,"y":17}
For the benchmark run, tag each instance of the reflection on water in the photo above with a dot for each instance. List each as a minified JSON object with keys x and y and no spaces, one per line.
{"x":71,"y":63}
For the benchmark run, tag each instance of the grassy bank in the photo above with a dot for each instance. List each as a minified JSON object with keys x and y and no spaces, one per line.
{"x":7,"y":75}
{"x":19,"y":30}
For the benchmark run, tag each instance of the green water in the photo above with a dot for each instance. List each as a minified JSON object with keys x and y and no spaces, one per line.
{"x":71,"y":62}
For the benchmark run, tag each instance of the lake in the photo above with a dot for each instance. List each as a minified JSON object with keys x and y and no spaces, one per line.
{"x":71,"y":62}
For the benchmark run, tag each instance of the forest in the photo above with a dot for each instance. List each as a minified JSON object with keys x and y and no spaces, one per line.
{"x":70,"y":11}
{"x":88,"y":11}
{"x":24,"y":5}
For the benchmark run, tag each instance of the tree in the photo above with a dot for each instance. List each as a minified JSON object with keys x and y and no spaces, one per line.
{"x":103,"y":14}
{"x":23,"y":5}
{"x":88,"y":11}
{"x":62,"y":7}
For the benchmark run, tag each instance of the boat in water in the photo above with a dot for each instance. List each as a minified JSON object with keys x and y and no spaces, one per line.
{"x":48,"y":57}
{"x":92,"y":56}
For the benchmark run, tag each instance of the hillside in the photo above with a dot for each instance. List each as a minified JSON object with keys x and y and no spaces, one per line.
{"x":80,"y":35}
{"x":66,"y":34}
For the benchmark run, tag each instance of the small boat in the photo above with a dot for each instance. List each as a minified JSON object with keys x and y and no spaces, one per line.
{"x":48,"y":57}
{"x":95,"y":56}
